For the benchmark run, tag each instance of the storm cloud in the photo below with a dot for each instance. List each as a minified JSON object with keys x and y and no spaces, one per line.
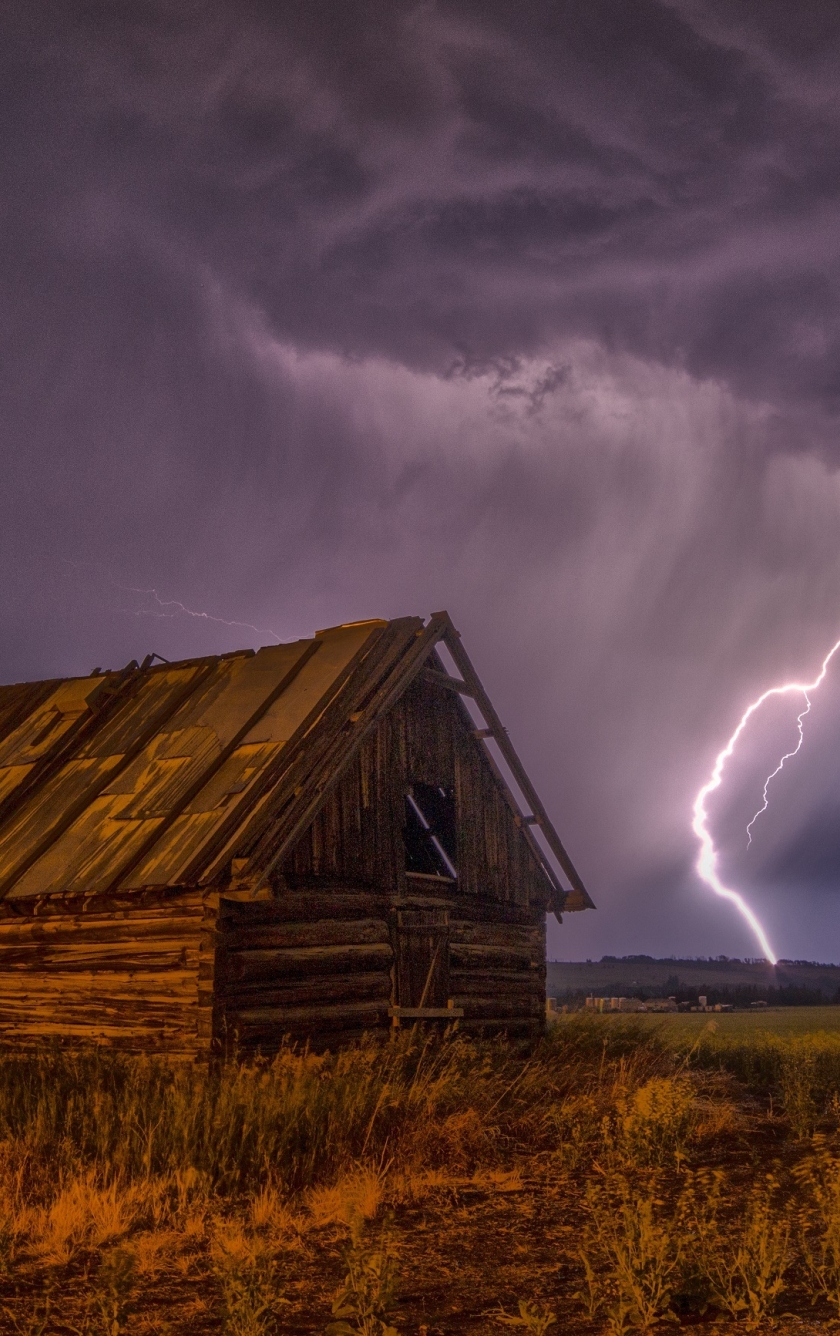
{"x":321,"y":312}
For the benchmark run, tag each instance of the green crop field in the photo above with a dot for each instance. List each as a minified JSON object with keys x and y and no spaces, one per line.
{"x":776,"y":1020}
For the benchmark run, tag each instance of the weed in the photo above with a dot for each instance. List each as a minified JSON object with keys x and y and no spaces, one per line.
{"x":270,"y":1213}
{"x":575,"y":1125}
{"x":250,"y":1281}
{"x":110,"y":1306}
{"x":594,"y":1296}
{"x":357,"y":1195}
{"x":657,"y":1118}
{"x":367,"y":1294}
{"x":819,"y":1225}
{"x":639,"y":1252}
{"x":798,"y":1086}
{"x":155,"y":1251}
{"x":247,"y":1164}
{"x":747,"y":1264}
{"x":84,"y":1213}
{"x":37,"y":1323}
{"x":530,"y":1318}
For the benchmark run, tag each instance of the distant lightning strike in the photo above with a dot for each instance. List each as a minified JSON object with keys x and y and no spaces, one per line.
{"x":707,"y":859}
{"x":164,"y":604}
{"x":181,"y":609}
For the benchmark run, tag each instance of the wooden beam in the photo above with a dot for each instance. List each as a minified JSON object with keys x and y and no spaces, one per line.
{"x":426,"y":1013}
{"x":464,"y":665}
{"x":444,"y":680}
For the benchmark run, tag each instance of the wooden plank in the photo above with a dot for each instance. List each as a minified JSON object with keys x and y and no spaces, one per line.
{"x":146,"y":901}
{"x":232,"y":717}
{"x":482,"y":957}
{"x":412,"y":901}
{"x":436,"y":678}
{"x":305,"y":991}
{"x":303,"y":907}
{"x":72,"y":936}
{"x":299,"y":961}
{"x":26,"y":960}
{"x":321,"y":932}
{"x":514,"y":936}
{"x":125,"y":1031}
{"x":79,"y":707}
{"x":483,"y":983}
{"x":303,"y":1018}
{"x":43,"y":823}
{"x":484,"y":909}
{"x":452,"y":1013}
{"x":251,"y":825}
{"x":142,"y":1015}
{"x":100,"y":988}
{"x":512,"y":1006}
{"x":337,"y":756}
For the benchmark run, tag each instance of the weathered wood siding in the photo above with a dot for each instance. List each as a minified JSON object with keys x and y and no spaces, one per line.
{"x":496,"y":961}
{"x":497,"y":966}
{"x":120,"y":972}
{"x":311,"y":965}
{"x":319,"y":965}
{"x":357,"y":837}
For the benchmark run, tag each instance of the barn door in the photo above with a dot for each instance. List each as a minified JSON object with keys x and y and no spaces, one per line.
{"x":422,"y":958}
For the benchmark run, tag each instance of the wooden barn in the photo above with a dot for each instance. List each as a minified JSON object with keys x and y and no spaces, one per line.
{"x":313,"y":840}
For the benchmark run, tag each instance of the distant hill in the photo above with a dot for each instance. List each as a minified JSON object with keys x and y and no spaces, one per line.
{"x":791,"y":982}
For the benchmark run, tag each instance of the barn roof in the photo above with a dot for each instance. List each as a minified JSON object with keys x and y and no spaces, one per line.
{"x":159,"y":774}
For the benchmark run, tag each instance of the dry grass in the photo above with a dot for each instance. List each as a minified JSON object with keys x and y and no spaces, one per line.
{"x":606,"y":1182}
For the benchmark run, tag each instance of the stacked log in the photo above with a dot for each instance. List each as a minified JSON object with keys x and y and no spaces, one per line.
{"x":313,"y":965}
{"x":102,"y":971}
{"x":497,"y":967}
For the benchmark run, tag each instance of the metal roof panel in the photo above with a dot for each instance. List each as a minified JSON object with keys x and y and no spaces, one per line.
{"x":159,"y":775}
{"x":131,"y":809}
{"x":229,"y":793}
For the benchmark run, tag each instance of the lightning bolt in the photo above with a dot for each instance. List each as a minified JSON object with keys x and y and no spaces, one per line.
{"x":165,"y":607}
{"x":182,"y":609}
{"x":765,"y":800}
{"x":707,"y":859}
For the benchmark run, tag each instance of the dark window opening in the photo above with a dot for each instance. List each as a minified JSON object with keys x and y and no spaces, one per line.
{"x":430,"y":831}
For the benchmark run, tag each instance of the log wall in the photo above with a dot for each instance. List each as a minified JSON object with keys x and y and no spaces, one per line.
{"x":319,"y":965}
{"x":497,"y":967}
{"x":311,"y":965}
{"x":122,"y":972}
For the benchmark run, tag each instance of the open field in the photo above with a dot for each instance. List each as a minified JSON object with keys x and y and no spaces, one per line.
{"x":777,"y":1020}
{"x":623,"y":1174}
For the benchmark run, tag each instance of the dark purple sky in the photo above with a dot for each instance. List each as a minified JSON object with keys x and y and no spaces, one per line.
{"x":315,"y":312}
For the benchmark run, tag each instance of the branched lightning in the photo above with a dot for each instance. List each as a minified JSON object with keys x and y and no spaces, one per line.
{"x":765,"y":800}
{"x":707,"y":858}
{"x":163,"y":607}
{"x":181,"y":609}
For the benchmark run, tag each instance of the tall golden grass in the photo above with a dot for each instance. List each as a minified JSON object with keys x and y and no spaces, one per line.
{"x":122,"y":1170}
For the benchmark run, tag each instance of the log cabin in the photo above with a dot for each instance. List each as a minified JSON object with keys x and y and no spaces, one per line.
{"x":310,"y":841}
